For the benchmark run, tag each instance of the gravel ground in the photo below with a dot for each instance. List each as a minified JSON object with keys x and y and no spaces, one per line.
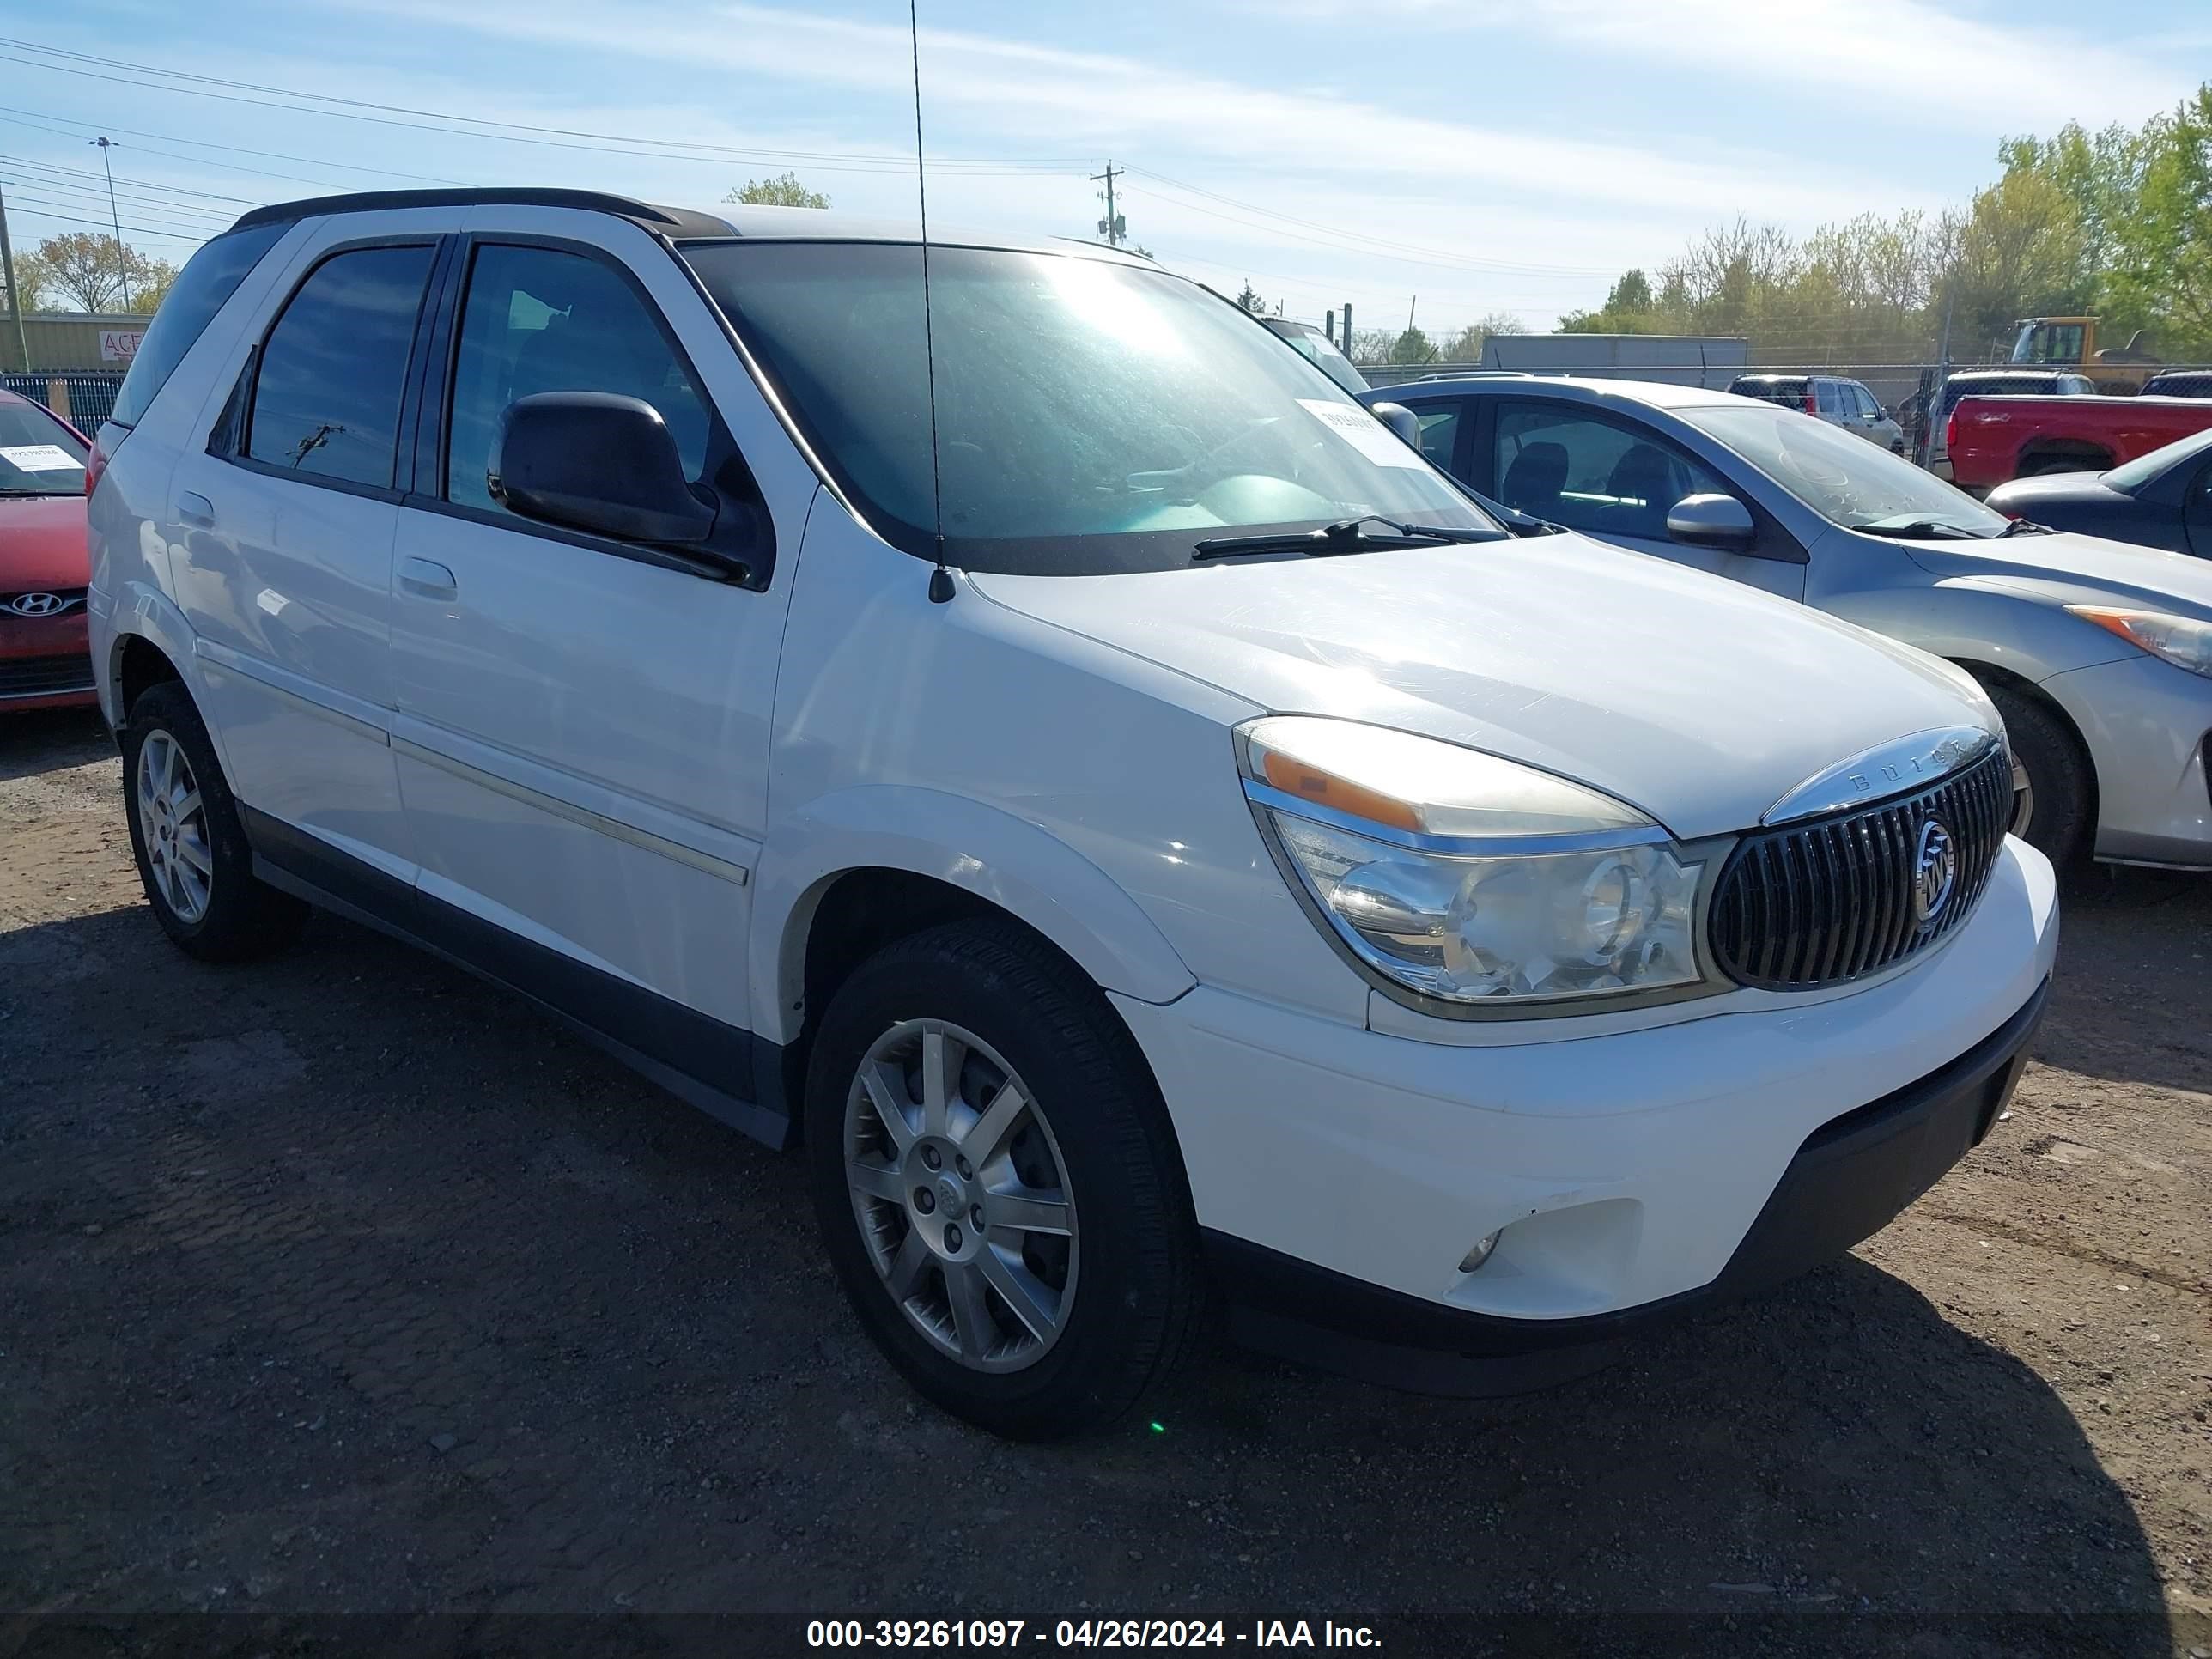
{"x":342,"y":1286}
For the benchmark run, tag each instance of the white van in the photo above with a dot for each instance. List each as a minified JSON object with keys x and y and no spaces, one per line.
{"x":1043,"y":745}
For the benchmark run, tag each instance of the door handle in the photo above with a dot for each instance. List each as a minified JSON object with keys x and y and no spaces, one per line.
{"x":430,"y":579}
{"x":195,"y":510}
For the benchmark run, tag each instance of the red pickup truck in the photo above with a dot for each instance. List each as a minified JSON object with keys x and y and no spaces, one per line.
{"x":1994,"y":440}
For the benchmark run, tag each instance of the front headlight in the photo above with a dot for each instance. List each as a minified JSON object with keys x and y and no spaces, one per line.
{"x":1467,"y":878}
{"x":2180,"y":641}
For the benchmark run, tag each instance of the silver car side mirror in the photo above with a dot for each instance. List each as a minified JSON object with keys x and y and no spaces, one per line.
{"x":1400,"y":420}
{"x":1713,"y":520}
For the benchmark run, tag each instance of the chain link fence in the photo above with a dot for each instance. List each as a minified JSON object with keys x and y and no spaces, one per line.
{"x":83,"y":400}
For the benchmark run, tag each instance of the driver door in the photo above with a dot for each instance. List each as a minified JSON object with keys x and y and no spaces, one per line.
{"x":1616,"y":479}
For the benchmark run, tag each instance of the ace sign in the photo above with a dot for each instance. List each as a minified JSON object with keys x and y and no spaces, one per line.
{"x":119,"y":345}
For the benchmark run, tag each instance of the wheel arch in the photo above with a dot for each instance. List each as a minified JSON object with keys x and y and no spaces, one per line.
{"x":846,"y":876}
{"x":1992,"y":675}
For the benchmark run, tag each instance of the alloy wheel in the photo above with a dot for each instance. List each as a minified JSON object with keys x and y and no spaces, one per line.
{"x":961,"y":1195}
{"x":173,"y":821}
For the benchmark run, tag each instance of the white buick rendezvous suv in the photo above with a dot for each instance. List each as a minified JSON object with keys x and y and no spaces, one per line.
{"x":1157,"y":843}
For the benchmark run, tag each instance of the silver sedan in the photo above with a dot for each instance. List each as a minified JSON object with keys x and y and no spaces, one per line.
{"x":2098,"y":654}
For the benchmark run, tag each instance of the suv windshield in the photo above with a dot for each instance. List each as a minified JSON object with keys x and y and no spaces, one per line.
{"x":1841,"y":477}
{"x":39,"y":456}
{"x":1092,"y":417}
{"x":1317,"y":349}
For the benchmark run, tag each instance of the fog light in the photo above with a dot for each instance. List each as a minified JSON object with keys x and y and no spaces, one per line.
{"x":1479,"y":1254}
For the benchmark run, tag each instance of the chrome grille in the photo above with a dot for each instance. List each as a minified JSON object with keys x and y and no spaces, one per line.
{"x":1833,"y":899}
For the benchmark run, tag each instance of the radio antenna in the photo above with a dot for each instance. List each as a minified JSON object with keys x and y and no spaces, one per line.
{"x":940,"y":580}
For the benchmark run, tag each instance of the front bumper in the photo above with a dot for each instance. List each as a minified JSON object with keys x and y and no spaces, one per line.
{"x":1623,"y":1171}
{"x":2148,"y":725}
{"x":46,"y":663}
{"x":1851,"y":1179}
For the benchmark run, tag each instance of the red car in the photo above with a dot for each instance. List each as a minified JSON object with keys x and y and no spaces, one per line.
{"x":1993,"y":441}
{"x":44,"y":658}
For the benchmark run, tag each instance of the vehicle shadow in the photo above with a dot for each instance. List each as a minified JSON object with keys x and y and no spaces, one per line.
{"x":448,"y":1315}
{"x":50,"y":740}
{"x":2134,"y":975}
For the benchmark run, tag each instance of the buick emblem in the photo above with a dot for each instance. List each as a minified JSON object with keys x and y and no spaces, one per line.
{"x":38,"y":604}
{"x":1935,"y":872}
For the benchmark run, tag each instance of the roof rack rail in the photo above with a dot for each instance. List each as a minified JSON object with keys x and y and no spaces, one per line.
{"x":670,"y":221}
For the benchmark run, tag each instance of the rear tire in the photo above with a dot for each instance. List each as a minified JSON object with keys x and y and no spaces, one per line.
{"x":2053,"y":810}
{"x":193,"y":857}
{"x":1108,"y":1303}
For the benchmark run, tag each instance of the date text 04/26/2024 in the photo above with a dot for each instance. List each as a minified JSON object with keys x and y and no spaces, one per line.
{"x":1006,"y":1633}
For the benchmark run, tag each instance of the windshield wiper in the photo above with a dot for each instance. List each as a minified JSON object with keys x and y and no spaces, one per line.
{"x":1920,"y":529}
{"x":1344,"y":537}
{"x":2025,"y":527}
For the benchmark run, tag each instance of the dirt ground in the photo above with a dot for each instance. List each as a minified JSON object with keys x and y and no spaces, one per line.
{"x":342,"y":1286}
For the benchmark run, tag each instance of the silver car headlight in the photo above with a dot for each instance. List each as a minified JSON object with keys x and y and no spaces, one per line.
{"x":1480,"y":883}
{"x":2181,"y":641}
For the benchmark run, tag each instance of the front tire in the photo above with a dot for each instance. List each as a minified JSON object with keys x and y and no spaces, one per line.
{"x":2053,"y":786}
{"x":193,"y":858}
{"x":998,"y":1185}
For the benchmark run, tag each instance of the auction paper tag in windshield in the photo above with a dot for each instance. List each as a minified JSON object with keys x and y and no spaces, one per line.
{"x":1362,"y":432}
{"x":38,"y":458}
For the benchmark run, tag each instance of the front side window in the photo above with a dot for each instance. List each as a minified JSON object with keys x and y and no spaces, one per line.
{"x":1439,"y":424}
{"x":1588,"y":474}
{"x":39,"y":456}
{"x":1841,"y":476}
{"x":540,"y":320}
{"x":1090,"y":416}
{"x":326,"y":395}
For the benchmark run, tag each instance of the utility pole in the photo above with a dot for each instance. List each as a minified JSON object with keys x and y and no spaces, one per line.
{"x":1345,"y":346}
{"x":121,"y":259}
{"x":1942,"y":368}
{"x":1329,"y":326}
{"x":15,"y":294}
{"x":1111,"y":226}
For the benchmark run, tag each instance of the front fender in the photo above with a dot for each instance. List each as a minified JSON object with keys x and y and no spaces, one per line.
{"x":1003,"y":860}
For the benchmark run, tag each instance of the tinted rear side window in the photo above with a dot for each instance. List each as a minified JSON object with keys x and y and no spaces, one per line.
{"x":211,"y":277}
{"x":326,"y":398}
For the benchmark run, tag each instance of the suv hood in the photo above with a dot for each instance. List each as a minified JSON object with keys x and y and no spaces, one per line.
{"x":1694,"y":698}
{"x":2070,"y":568}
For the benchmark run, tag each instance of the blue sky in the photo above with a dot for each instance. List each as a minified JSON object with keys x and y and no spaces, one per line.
{"x":1482,"y":155}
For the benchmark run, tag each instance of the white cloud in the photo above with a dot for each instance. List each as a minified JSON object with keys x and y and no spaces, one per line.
{"x":1089,"y":101}
{"x":1930,"y":63}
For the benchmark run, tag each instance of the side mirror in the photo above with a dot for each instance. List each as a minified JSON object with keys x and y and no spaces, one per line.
{"x":596,"y":461}
{"x":1721,"y":522}
{"x":1400,"y":420}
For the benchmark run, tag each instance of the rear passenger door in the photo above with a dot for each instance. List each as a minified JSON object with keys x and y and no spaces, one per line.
{"x":1616,"y":479}
{"x":581,"y":725}
{"x":285,"y":506}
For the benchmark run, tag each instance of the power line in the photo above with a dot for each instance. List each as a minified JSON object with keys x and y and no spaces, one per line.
{"x":1393,"y":245}
{"x":154,"y":184}
{"x":101,"y":224}
{"x":136,"y":199}
{"x":460,"y":125}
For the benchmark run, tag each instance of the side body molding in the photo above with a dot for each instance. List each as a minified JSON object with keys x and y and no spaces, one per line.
{"x":1005,"y":859}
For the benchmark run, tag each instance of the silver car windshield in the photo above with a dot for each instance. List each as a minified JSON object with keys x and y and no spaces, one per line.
{"x":1091,"y":416}
{"x":1844,"y":478}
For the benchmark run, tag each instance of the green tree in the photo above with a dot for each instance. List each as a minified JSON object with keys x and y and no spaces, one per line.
{"x":1249,"y":298}
{"x":784,"y":191}
{"x":2162,"y":248}
{"x":83,"y":270}
{"x":1412,"y":347}
{"x":1631,"y":295}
